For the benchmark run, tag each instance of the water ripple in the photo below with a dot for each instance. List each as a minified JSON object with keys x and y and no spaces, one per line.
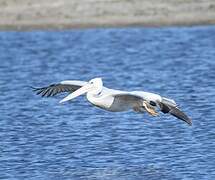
{"x":40,"y":139}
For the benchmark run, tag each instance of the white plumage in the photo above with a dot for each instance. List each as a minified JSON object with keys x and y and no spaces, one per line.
{"x":115,"y":100}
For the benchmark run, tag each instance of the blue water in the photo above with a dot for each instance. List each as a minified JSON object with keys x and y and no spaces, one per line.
{"x":41,"y":139}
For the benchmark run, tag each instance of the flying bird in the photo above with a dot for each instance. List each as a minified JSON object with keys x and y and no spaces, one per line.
{"x":115,"y":100}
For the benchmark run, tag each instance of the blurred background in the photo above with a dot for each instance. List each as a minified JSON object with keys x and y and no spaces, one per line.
{"x":144,"y":45}
{"x":61,"y":14}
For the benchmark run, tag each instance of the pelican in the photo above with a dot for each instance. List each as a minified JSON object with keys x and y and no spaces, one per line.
{"x":115,"y":100}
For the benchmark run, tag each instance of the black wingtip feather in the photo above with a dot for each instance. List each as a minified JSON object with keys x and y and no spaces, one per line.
{"x":54,"y":89}
{"x":37,"y":90}
{"x":180,"y":115}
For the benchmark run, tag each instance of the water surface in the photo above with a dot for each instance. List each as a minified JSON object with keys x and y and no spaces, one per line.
{"x":41,"y":139}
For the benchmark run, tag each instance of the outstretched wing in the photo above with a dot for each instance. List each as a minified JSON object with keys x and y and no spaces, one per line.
{"x":167,"y":106}
{"x":125,"y":101}
{"x":64,"y":86}
{"x":129,"y":98}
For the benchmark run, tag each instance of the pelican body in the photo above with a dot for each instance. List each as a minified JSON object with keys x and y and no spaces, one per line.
{"x":115,"y":100}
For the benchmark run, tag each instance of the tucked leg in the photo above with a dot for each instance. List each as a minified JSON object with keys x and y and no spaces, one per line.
{"x":150,"y":109}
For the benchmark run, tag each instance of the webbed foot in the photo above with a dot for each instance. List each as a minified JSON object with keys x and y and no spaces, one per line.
{"x":150,"y":109}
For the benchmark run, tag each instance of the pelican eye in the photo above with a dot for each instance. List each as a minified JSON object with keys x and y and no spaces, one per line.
{"x":99,"y":93}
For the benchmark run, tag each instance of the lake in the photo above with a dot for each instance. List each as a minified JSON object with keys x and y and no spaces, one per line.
{"x":42,"y":139}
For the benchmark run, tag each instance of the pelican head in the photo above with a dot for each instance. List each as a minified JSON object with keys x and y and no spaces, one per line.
{"x":94,"y":86}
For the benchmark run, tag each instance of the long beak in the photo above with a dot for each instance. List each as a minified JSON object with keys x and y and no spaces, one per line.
{"x":77,"y":93}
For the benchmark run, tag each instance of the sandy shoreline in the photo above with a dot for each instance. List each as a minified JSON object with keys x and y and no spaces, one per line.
{"x":67,"y":14}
